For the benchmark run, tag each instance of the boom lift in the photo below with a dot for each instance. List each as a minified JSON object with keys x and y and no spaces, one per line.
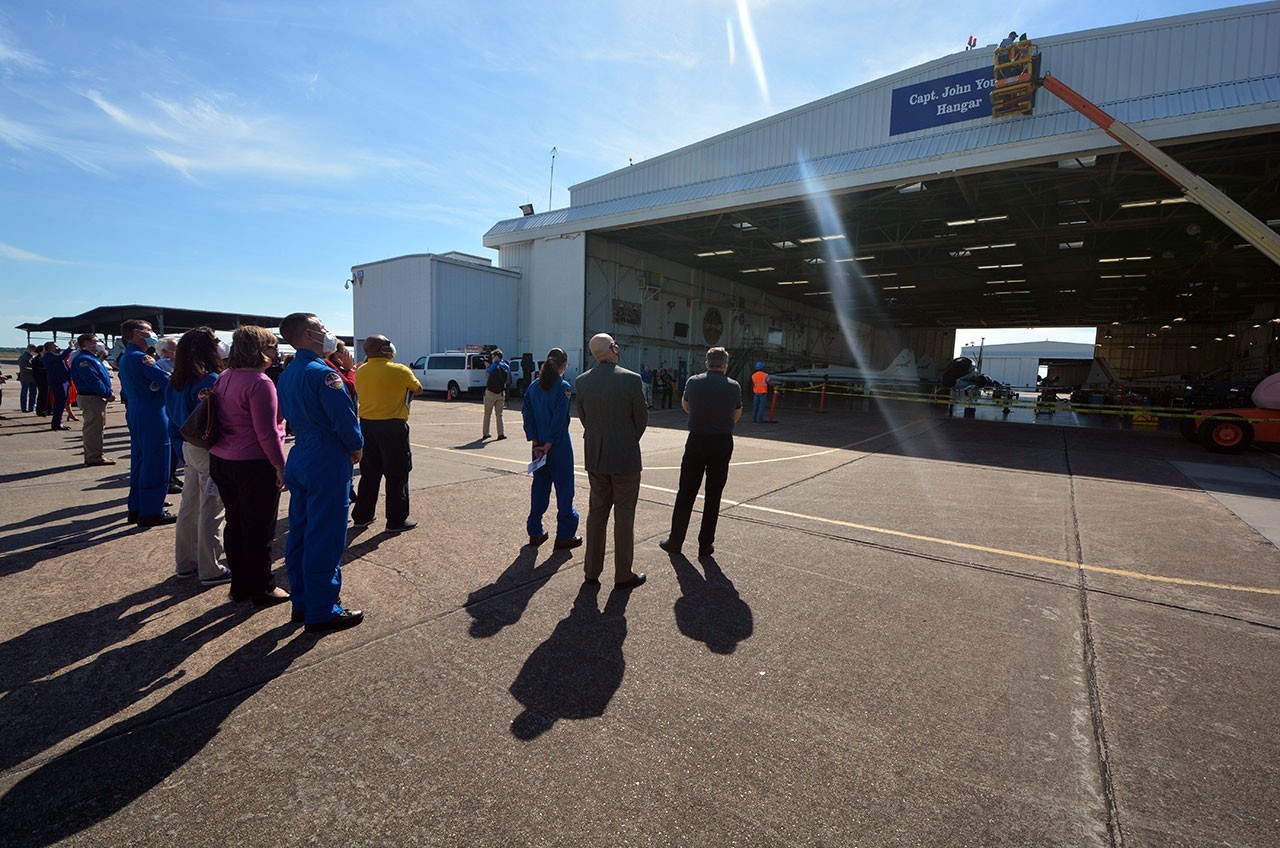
{"x":1016,"y":81}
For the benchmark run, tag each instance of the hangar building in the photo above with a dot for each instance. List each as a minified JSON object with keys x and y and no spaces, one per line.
{"x":1018,"y":364}
{"x":886,"y":216}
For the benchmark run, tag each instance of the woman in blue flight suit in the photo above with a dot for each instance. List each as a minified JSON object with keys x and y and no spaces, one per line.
{"x":546,"y":424}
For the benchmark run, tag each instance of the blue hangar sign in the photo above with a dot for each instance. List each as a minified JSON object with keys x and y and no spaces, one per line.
{"x":949,"y":100}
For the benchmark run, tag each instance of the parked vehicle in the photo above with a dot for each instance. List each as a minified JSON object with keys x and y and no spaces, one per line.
{"x":456,"y":372}
{"x":1232,"y":430}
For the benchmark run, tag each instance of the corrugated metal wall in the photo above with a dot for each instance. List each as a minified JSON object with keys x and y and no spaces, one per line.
{"x":425,"y":305}
{"x":1119,"y":63}
{"x":474,"y":305}
{"x":395,"y":300}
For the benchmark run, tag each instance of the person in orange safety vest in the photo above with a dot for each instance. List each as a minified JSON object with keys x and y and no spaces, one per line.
{"x":760,"y":386}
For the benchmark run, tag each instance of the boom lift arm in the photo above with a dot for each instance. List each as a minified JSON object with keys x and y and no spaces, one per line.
{"x":1197,"y":190}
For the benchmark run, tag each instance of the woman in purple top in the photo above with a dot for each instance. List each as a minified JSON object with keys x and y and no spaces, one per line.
{"x":247,"y":464}
{"x":198,"y":545}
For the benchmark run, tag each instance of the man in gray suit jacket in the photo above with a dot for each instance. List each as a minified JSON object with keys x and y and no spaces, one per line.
{"x":613,"y":412}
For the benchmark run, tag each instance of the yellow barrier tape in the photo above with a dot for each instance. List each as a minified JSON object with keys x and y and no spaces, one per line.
{"x":1019,"y":403}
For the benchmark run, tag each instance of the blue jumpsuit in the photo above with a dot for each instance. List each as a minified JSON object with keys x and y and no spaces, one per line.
{"x":326,"y":432}
{"x":148,"y":431}
{"x":546,"y":419}
{"x":90,"y":375}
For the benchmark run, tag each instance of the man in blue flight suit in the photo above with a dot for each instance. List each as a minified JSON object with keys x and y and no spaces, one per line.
{"x":148,"y":426}
{"x":59,"y":378}
{"x":93,"y":392}
{"x":327,"y":442}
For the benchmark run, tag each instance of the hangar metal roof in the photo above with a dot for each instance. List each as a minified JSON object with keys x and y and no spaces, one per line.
{"x":107,"y":319}
{"x":1067,"y":211}
{"x":1176,"y":78}
{"x":925,"y":149}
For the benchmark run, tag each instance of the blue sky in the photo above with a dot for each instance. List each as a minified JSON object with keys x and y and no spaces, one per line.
{"x":244,"y":155}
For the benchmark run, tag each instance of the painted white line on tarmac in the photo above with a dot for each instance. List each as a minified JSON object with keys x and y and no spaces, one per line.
{"x":1119,"y":572}
{"x":1061,"y":563}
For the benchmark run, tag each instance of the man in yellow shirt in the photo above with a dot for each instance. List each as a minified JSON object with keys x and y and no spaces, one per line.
{"x":384,"y":388}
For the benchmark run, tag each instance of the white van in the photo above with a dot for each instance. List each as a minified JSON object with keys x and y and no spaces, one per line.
{"x":457,"y":371}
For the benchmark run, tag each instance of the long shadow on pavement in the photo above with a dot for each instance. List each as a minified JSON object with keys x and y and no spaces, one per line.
{"x":51,"y":647}
{"x":39,"y":715}
{"x":64,"y":514}
{"x":576,"y":671}
{"x":510,"y":594}
{"x":710,"y":610}
{"x":59,"y":533}
{"x":19,"y":476}
{"x":14,"y":563}
{"x":105,"y":774}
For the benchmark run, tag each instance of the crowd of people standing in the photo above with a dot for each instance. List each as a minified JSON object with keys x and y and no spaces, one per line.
{"x":344,"y":415}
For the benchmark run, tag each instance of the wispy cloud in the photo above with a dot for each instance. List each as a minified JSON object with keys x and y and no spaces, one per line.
{"x":8,"y":251}
{"x":26,"y":138}
{"x":126,"y":120}
{"x":199,"y":136}
{"x":12,"y":56}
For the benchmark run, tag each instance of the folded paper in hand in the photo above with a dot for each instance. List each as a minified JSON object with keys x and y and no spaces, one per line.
{"x":537,"y":463}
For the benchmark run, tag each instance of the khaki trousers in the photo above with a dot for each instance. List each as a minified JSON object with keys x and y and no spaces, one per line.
{"x":619,"y":493}
{"x":494,"y":402}
{"x":198,"y":545}
{"x":95,"y":419}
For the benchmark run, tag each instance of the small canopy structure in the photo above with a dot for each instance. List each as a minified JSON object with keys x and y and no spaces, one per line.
{"x":166,"y":320}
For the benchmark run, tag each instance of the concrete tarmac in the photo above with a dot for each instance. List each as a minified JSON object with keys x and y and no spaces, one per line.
{"x":915,"y":631}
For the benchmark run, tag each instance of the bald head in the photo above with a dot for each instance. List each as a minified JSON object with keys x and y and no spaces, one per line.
{"x":378,"y":346}
{"x":601,"y":347}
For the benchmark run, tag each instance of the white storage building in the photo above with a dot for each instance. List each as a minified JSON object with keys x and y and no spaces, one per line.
{"x":1018,"y":364}
{"x":427,"y":303}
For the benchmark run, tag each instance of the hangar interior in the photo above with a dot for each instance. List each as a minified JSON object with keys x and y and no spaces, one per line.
{"x":825,"y":236}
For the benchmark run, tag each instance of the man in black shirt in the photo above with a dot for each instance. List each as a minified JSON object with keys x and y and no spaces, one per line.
{"x":714,"y":404}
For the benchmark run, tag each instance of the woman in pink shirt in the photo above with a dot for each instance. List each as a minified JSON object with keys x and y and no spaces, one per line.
{"x":247,"y":464}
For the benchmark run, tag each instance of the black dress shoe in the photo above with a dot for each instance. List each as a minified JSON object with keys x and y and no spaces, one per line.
{"x":157,"y":520}
{"x":636,"y":579}
{"x":269,"y":600}
{"x":706,"y":550}
{"x":538,"y":540}
{"x":61,"y":427}
{"x":341,"y":621}
{"x":669,"y":546}
{"x":361,"y":522}
{"x":400,"y":528}
{"x":566,"y":544}
{"x":500,"y":438}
